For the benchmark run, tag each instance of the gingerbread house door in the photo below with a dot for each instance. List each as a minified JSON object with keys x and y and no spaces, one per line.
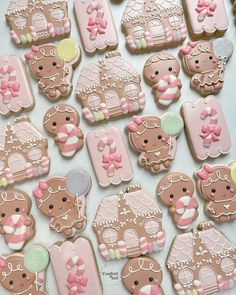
{"x":17,"y":164}
{"x":208,"y":279}
{"x":113,"y":102}
{"x":157,"y":31}
{"x":39,"y":22}
{"x":132,"y":242}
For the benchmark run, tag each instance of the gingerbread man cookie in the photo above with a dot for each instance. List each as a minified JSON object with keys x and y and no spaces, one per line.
{"x":176,"y":191}
{"x":217,"y":185}
{"x":53,"y":66}
{"x":205,"y":62}
{"x":62,"y":121}
{"x":142,"y":276}
{"x":16,"y":225}
{"x":62,"y":199}
{"x":161,"y":71}
{"x":155,"y":140}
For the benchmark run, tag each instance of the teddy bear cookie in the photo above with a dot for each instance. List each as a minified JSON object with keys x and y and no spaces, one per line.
{"x":23,"y":152}
{"x":152,"y":25}
{"x":176,"y":191}
{"x":129,"y":224}
{"x":25,"y":273}
{"x":217,"y":185}
{"x":33,"y":21}
{"x":205,"y":62}
{"x":16,"y":224}
{"x":142,"y":276}
{"x":154,"y":139}
{"x":202,"y":261}
{"x":62,"y":121}
{"x":62,"y":199}
{"x":161,"y":71}
{"x":52,"y":65}
{"x":75,"y":267}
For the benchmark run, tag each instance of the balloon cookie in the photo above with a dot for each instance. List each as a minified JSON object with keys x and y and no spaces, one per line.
{"x":176,"y":191}
{"x":62,"y":121}
{"x":53,"y":66}
{"x":161,"y":71}
{"x":62,"y":199}
{"x":154,"y":139}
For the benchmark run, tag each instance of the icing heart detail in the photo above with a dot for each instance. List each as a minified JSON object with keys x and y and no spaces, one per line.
{"x":227,"y":206}
{"x":65,"y":217}
{"x":157,"y":154}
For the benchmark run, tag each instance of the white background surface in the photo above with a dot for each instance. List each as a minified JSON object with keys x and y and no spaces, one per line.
{"x":184,"y":161}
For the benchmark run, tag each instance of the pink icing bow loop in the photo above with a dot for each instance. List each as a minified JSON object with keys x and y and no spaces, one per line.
{"x":204,"y":173}
{"x":76,"y":285}
{"x":134,"y":124}
{"x":210,"y":134}
{"x":111,"y":163}
{"x":29,"y":56}
{"x":96,"y":27}
{"x":9,"y":90}
{"x":38,"y":192}
{"x":205,"y":8}
{"x":186,"y":50}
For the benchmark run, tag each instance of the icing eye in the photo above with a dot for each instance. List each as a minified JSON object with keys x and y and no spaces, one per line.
{"x":136,"y":283}
{"x":213,"y":190}
{"x":40,"y":67}
{"x":67,"y":118}
{"x":184,"y":189}
{"x":145,"y":141}
{"x":170,"y":69}
{"x":156,"y":73}
{"x":54,"y":123}
{"x":50,"y":206}
{"x":24,"y":275}
{"x":54,"y":63}
{"x":17,"y":209}
{"x":64,"y":199}
{"x":210,"y":57}
{"x":150,"y":279}
{"x":171,"y":196}
{"x":228,"y":187}
{"x":196,"y":61}
{"x":3,"y":214}
{"x":11,"y":282}
{"x":159,"y":136}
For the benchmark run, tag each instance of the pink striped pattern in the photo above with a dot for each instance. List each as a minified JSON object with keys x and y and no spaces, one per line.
{"x":68,"y":136}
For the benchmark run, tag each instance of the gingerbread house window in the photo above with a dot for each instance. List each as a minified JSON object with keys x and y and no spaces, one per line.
{"x":151,"y":226}
{"x":227,"y":265}
{"x":16,"y":163}
{"x":93,"y":100}
{"x":138,"y":31}
{"x":110,"y":235}
{"x":186,"y":276}
{"x":112,"y":99}
{"x":35,"y":154}
{"x":20,"y":22}
{"x":156,"y":28}
{"x":57,"y":13}
{"x":131,"y":90}
{"x":39,"y":21}
{"x":175,"y":21}
{"x":2,"y":165}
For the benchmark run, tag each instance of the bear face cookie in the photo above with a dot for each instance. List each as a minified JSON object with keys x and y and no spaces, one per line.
{"x":176,"y":191}
{"x":142,"y":276}
{"x":154,"y":139}
{"x":62,"y":121}
{"x":161,"y":71}
{"x":205,"y":62}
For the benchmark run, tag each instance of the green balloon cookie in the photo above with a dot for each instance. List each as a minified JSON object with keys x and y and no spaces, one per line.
{"x":36,"y":258}
{"x":172,"y":123}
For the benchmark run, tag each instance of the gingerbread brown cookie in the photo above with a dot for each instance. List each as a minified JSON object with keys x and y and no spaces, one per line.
{"x":62,"y":121}
{"x":142,"y":276}
{"x":176,"y":191}
{"x":161,"y":71}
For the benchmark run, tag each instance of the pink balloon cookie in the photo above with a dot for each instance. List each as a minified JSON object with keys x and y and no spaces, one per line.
{"x":23,"y":152}
{"x":62,"y":121}
{"x":53,"y":66}
{"x":15,"y":89}
{"x":176,"y":191}
{"x":62,"y":199}
{"x":154,"y":139}
{"x":111,"y":88}
{"x":128,"y":224}
{"x":202,"y":261}
{"x":206,"y":128}
{"x":161,"y":71}
{"x":33,"y":21}
{"x":109,"y":156}
{"x":75,"y":267}
{"x":97,"y":27}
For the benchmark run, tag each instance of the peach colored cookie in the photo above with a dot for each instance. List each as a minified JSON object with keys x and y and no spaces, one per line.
{"x":128,"y":224}
{"x":75,"y":267}
{"x":33,"y":21}
{"x":151,"y":25}
{"x":205,"y":62}
{"x":202,"y":261}
{"x":142,"y":276}
{"x":111,"y":88}
{"x":52,"y":65}
{"x":161,"y":71}
{"x":62,"y":199}
{"x":24,"y":273}
{"x":23,"y":152}
{"x":154,"y":139}
{"x":62,"y":121}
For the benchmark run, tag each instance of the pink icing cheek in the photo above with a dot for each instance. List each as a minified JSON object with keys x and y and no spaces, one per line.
{"x":72,"y":120}
{"x":232,"y":190}
{"x":153,"y":76}
{"x":58,"y":66}
{"x":50,"y":212}
{"x":213,"y":195}
{"x":156,"y":281}
{"x":11,"y":287}
{"x":23,"y":210}
{"x":133,"y":287}
{"x":144,"y":145}
{"x":54,"y":128}
{"x":28,"y":278}
{"x":68,"y":201}
{"x":214,"y":61}
{"x":163,"y":139}
{"x":197,"y":67}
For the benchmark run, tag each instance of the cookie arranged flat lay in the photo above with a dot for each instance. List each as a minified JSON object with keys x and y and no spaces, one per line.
{"x":117,"y":147}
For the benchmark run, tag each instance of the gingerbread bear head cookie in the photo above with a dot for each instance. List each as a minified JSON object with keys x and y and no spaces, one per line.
{"x":142,"y":275}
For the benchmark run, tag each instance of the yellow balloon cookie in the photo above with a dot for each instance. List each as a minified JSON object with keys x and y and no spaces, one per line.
{"x":68,"y":50}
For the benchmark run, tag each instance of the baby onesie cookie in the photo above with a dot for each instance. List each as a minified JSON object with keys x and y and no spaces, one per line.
{"x":150,"y":25}
{"x":142,"y":276}
{"x":16,"y":225}
{"x":109,"y":156}
{"x":217,"y":185}
{"x":206,"y":128}
{"x":25,"y":273}
{"x":129,"y":224}
{"x":23,"y":152}
{"x":75,"y":267}
{"x":15,"y":89}
{"x":176,"y":191}
{"x":202,"y":261}
{"x":62,"y":121}
{"x":205,"y":62}
{"x":154,"y":139}
{"x":109,"y":89}
{"x":161,"y":71}
{"x":206,"y":17}
{"x":97,"y":27}
{"x":62,"y":199}
{"x":33,"y":21}
{"x":53,"y":66}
